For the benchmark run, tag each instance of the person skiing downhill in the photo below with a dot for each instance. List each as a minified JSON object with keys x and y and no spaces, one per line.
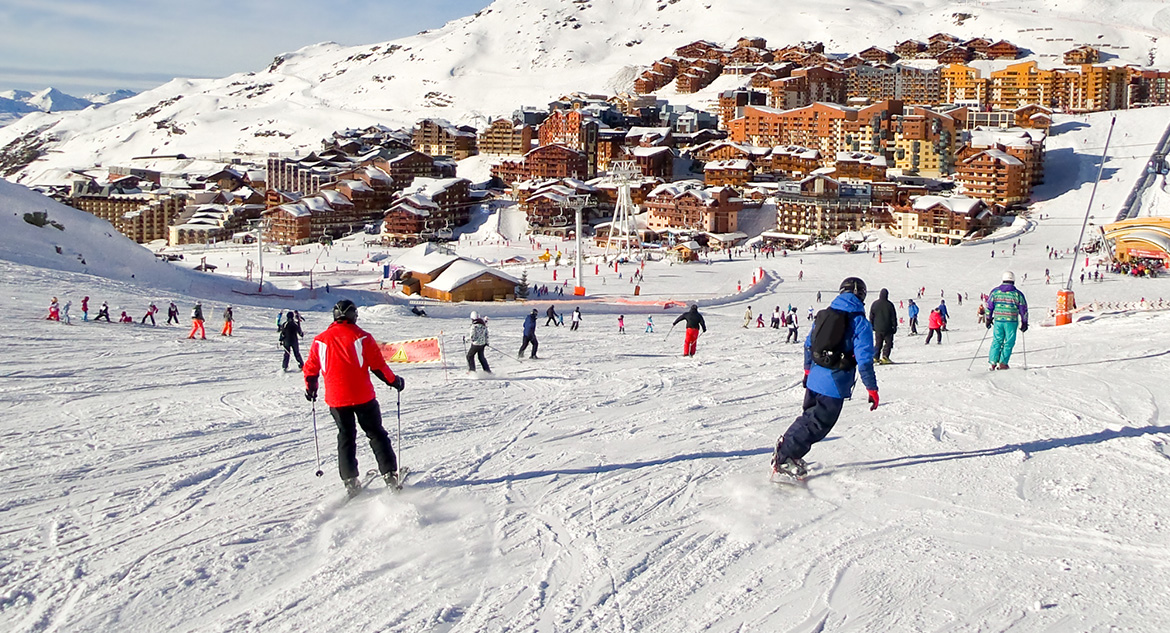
{"x":290,"y":335}
{"x":935,"y":325}
{"x":694,"y":322}
{"x":479,"y":341}
{"x":1007,"y":309}
{"x":227,"y":322}
{"x":529,"y":335}
{"x":345,"y":355}
{"x":884,"y":319}
{"x":912,"y":312}
{"x":197,"y":321}
{"x":173,"y":313}
{"x":649,"y":325}
{"x":826,"y":389}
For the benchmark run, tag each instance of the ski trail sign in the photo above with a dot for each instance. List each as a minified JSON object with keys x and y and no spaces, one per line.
{"x":423,"y":350}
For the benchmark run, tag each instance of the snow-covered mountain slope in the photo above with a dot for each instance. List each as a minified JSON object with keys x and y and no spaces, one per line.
{"x":527,"y":52}
{"x":14,"y":104}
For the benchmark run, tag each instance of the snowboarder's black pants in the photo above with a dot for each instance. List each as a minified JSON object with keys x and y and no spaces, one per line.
{"x":172,"y":317}
{"x":931,"y":334}
{"x":573,"y":328}
{"x":148,"y":316}
{"x":523,"y":346}
{"x":914,"y":325}
{"x":293,"y":346}
{"x":369,"y":417}
{"x":792,"y":337}
{"x":820,"y":414}
{"x":472,"y":353}
{"x":883,"y":343}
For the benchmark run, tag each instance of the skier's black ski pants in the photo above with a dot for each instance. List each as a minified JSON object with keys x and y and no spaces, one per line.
{"x":820,"y":414}
{"x":523,"y":346}
{"x":472,"y":353}
{"x":295,"y":347}
{"x":369,"y":417}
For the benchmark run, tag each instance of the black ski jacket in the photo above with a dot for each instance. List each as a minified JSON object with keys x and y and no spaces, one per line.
{"x":290,"y":331}
{"x":882,"y":314}
{"x":693,"y":318}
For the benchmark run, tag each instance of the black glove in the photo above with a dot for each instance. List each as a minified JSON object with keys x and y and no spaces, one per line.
{"x":988,"y":324}
{"x":1024,"y":326}
{"x":398,"y":383}
{"x":311,"y":388}
{"x":804,"y":381}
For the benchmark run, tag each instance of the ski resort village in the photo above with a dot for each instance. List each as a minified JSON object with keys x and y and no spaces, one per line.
{"x":601,"y":315}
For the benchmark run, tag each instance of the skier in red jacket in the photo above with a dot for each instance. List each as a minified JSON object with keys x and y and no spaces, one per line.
{"x":346,"y":354}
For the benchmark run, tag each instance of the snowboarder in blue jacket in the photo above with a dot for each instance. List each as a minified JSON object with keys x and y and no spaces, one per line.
{"x":826,"y":389}
{"x":529,"y":335}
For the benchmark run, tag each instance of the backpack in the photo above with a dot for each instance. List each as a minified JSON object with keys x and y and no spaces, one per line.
{"x":828,"y":340}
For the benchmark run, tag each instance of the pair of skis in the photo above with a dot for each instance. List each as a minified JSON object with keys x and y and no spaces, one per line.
{"x":372,"y":475}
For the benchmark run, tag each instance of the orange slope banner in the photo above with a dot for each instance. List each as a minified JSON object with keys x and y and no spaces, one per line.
{"x":423,"y":350}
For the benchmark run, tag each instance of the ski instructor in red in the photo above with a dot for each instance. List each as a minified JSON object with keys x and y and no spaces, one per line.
{"x":346,"y":355}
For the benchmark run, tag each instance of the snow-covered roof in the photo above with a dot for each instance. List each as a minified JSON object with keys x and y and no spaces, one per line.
{"x":955,"y":204}
{"x":425,"y":258}
{"x":862,"y":157}
{"x":336,"y":198}
{"x":463,"y":271}
{"x":997,"y":154}
{"x":650,"y":151}
{"x":741,"y":164}
{"x":797,"y":151}
{"x":1009,"y":137}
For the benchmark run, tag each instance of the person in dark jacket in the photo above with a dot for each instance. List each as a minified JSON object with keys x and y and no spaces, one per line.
{"x":173,"y":314}
{"x":103,"y":313}
{"x":290,"y":335}
{"x":529,"y":335}
{"x":479,"y":342}
{"x":694,"y":322}
{"x":551,"y":313}
{"x":228,"y":318}
{"x":826,"y":389}
{"x":884,"y":319}
{"x":197,"y":321}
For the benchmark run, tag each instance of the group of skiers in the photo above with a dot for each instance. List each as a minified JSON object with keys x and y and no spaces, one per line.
{"x":197,"y":320}
{"x":58,"y":312}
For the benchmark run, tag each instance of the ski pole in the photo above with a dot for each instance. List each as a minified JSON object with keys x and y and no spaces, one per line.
{"x":399,"y":410}
{"x":316,"y":444}
{"x":1024,"y":348}
{"x":972,"y":364}
{"x":669,"y":331}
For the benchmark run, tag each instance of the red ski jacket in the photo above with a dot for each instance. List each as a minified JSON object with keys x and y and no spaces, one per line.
{"x":346,"y":354}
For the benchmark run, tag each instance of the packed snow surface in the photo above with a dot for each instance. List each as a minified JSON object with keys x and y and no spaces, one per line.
{"x":155,"y":483}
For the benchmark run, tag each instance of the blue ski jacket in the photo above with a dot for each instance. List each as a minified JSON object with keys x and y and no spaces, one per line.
{"x":838,"y":383}
{"x":530,"y":325}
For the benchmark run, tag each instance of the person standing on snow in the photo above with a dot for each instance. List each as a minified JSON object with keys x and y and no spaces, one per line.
{"x":935,"y":324}
{"x":649,"y":325}
{"x":290,"y":335}
{"x":1007,"y":309}
{"x":912,"y":312}
{"x":776,"y":318}
{"x":551,"y":313}
{"x":173,"y":313}
{"x":85,"y":308}
{"x":621,"y":324}
{"x":479,"y":342}
{"x":694,"y":322}
{"x":825,"y":389}
{"x":942,"y":311}
{"x":103,"y":313}
{"x":884,"y":319}
{"x":54,"y":311}
{"x":747,"y":317}
{"x":793,"y":334}
{"x":65,"y":313}
{"x":576,"y":319}
{"x":197,"y":321}
{"x":227,"y":322}
{"x":150,"y":314}
{"x":529,"y":335}
{"x":346,"y":355}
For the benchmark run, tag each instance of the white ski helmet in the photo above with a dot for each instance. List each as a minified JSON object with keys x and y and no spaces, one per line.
{"x":1009,"y":276}
{"x":474,"y":315}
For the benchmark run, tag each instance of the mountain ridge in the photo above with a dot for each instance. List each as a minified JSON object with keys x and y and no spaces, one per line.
{"x":528,"y":52}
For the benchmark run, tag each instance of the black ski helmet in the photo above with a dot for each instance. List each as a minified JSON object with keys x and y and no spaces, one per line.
{"x":854,"y":285}
{"x":345,"y":310}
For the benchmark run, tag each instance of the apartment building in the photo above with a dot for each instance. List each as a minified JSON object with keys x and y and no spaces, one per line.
{"x":548,"y":161}
{"x":994,"y":176}
{"x":822,"y":206}
{"x":504,"y":137}
{"x":438,"y":137}
{"x":941,"y":219}
{"x":690,"y":205}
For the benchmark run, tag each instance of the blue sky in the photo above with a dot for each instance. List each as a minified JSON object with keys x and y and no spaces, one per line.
{"x":82,"y":46}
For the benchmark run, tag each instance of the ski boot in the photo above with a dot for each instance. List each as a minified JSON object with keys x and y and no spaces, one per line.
{"x":353,"y":486}
{"x":794,"y":467}
{"x":391,"y":479}
{"x":1002,"y":366}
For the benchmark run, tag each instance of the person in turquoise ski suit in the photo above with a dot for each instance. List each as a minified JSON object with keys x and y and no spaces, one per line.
{"x":1007,"y":309}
